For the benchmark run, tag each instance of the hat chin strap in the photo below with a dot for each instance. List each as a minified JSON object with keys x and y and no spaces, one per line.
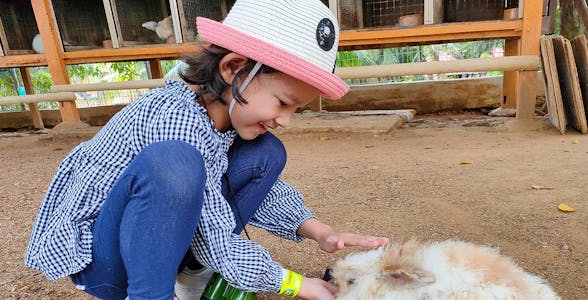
{"x":244,"y":86}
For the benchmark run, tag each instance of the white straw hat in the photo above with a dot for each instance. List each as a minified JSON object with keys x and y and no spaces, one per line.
{"x":296,"y":37}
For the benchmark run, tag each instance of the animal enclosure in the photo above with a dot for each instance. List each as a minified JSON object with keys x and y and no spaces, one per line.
{"x":190,"y":9}
{"x":129,"y":15}
{"x":17,"y":27}
{"x":82,"y":24}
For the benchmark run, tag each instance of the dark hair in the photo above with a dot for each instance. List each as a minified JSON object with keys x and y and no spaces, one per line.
{"x":203,"y":70}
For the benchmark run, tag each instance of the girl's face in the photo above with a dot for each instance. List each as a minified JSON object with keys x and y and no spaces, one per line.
{"x":272,"y":98}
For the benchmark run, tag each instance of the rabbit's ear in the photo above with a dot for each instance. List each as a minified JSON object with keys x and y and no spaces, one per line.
{"x":410,"y":279}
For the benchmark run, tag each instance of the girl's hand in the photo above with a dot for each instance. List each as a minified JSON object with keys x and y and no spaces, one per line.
{"x":331,"y":241}
{"x":314,"y":288}
{"x":334,"y":241}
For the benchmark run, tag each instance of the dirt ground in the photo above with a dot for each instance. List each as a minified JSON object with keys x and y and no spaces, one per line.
{"x":406,"y":183}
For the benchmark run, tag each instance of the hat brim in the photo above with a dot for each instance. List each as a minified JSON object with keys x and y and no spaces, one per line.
{"x":329,"y":85}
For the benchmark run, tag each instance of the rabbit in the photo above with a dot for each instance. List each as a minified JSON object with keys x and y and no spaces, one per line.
{"x":442,"y":270}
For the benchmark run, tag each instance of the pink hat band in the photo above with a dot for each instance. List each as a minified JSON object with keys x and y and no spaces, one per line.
{"x":298,"y":38}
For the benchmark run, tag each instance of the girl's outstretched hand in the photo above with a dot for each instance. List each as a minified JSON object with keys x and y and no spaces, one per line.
{"x":339,"y":240}
{"x":331,"y":241}
{"x":315,"y":288}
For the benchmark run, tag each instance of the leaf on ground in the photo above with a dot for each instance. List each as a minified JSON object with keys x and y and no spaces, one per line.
{"x":565,"y":208}
{"x":466,"y":162}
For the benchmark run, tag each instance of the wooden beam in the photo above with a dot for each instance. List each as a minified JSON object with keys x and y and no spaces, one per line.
{"x":54,"y":54}
{"x":317,"y":104}
{"x":173,"y":6}
{"x":106,"y":86}
{"x":510,"y":78}
{"x":549,"y":14}
{"x":428,"y":33}
{"x":28,"y":60}
{"x":28,"y":85}
{"x":111,"y":23}
{"x":130,"y":53}
{"x":155,"y":68}
{"x":530,"y":63}
{"x":527,"y":80}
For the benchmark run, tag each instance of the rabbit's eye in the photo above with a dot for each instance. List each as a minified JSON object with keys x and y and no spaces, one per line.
{"x":351,"y":281}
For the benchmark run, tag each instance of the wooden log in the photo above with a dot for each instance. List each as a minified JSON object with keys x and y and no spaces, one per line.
{"x":127,"y":85}
{"x":38,"y":98}
{"x":512,"y":63}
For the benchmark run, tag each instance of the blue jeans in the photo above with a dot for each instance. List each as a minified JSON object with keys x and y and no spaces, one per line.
{"x":147,"y":222}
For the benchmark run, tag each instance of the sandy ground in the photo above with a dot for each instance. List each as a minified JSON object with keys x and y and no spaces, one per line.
{"x":405,"y":183}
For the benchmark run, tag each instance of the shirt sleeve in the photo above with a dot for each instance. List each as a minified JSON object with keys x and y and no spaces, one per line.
{"x":282,"y":212}
{"x":243,"y":263}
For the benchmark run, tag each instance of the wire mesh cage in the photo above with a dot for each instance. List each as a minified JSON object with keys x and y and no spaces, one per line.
{"x":17,"y":27}
{"x":512,"y":3}
{"x":473,"y":10}
{"x":387,"y":12}
{"x":132,"y":16}
{"x":82,"y":24}
{"x":190,"y":9}
{"x":350,"y":14}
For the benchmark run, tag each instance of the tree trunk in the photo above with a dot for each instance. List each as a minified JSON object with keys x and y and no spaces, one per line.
{"x":571,"y":15}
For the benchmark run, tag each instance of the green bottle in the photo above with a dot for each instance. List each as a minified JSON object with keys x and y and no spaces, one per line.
{"x":219,"y":289}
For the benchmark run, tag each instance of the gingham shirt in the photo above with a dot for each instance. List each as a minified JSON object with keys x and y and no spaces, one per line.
{"x":61,"y":241}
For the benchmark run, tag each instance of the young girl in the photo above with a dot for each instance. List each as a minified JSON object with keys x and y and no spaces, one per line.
{"x":178,"y":173}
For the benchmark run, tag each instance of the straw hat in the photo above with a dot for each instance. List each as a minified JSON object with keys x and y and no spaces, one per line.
{"x":296,"y":37}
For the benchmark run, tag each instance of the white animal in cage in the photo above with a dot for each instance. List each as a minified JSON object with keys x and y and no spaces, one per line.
{"x":38,"y":44}
{"x":444,"y":270}
{"x":164,"y":28}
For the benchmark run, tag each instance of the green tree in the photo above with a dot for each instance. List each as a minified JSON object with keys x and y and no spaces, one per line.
{"x":571,"y":24}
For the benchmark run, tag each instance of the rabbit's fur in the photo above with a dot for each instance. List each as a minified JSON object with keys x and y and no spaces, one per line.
{"x":443,"y":270}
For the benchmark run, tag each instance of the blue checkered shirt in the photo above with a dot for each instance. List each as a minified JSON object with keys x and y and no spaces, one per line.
{"x":61,"y":241}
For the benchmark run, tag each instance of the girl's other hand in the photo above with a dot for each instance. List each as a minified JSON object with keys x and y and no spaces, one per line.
{"x":315,"y":288}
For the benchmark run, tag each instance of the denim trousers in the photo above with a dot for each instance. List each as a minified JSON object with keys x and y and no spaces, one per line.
{"x":145,"y":226}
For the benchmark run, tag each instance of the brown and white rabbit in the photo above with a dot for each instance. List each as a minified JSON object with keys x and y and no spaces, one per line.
{"x":443,"y":270}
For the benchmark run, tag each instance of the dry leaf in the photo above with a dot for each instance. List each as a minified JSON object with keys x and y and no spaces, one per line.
{"x":466,"y":162}
{"x":324,"y":138}
{"x":565,"y":208}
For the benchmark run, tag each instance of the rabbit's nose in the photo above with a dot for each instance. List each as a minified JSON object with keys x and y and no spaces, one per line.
{"x":327,"y":276}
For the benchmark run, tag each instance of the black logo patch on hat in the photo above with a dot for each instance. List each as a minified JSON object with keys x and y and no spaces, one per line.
{"x":325,"y":34}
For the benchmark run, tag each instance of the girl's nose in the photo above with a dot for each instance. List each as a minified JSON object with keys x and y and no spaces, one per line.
{"x":283,"y":120}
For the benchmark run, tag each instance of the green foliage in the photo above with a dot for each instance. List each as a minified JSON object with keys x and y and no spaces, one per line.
{"x":78,"y":73}
{"x":168,"y":65}
{"x":128,"y":70}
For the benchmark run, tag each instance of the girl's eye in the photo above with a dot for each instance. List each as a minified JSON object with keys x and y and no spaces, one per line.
{"x":282,"y":103}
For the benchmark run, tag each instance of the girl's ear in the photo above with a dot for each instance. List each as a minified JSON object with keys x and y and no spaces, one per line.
{"x":230,"y":65}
